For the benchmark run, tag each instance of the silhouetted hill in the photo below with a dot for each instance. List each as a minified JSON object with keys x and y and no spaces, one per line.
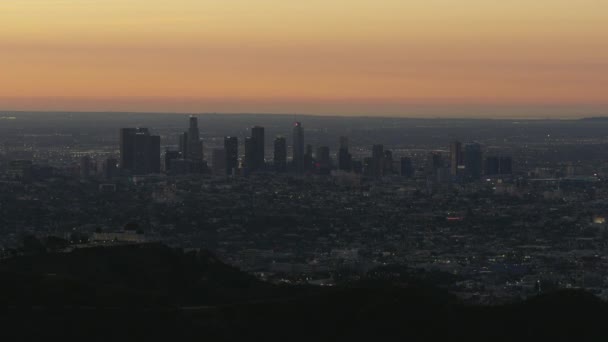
{"x":154,"y":292}
{"x":148,"y":275}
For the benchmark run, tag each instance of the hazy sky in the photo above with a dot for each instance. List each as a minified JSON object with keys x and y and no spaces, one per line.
{"x":397,"y":57}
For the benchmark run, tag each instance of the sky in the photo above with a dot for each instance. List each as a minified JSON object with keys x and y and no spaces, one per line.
{"x":481,"y":58}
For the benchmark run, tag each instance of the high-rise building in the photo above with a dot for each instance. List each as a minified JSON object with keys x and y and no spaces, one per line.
{"x":139,"y":151}
{"x":473,"y":161}
{"x":377,"y":167}
{"x":280,"y":154}
{"x":190,"y":142}
{"x":218,"y":158}
{"x":171,"y":156}
{"x":231,"y":148}
{"x":344,"y":157}
{"x":183,"y":145}
{"x":434,"y":164}
{"x":308,"y":159}
{"x":407,"y":167}
{"x":456,"y":158}
{"x":259,"y":143}
{"x":298,"y":147}
{"x":127,"y":148}
{"x":323,"y":160}
{"x":250,"y":155}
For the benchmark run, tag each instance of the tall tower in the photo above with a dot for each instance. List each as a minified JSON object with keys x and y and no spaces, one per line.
{"x":250,"y":155}
{"x":139,"y":151}
{"x":280,"y":154}
{"x":231,"y":149}
{"x":434,"y":163}
{"x":257,"y":135}
{"x":194,"y":149}
{"x":344,"y":157}
{"x":298,"y":147}
{"x":377,"y":166}
{"x":455,"y":157}
{"x":473,"y":161}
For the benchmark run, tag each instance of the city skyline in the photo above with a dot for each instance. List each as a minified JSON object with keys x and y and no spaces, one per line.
{"x":477,"y":59}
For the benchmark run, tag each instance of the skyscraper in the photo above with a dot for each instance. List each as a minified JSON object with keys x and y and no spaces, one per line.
{"x":473,"y":161}
{"x":298,"y":147}
{"x":344,"y":157}
{"x":170,"y":156}
{"x":434,"y":164}
{"x":250,"y":155}
{"x":191,"y":145}
{"x":259,"y":142}
{"x":139,"y":151}
{"x":231,"y":148}
{"x":456,"y":158}
{"x":280,"y":154}
{"x":308,"y":159}
{"x":377,"y":162}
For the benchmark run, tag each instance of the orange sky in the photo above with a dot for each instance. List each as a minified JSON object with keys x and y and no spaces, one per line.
{"x":384,"y":57}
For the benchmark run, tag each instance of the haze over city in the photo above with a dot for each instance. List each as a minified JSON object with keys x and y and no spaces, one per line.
{"x":469,"y":58}
{"x":281,"y":170}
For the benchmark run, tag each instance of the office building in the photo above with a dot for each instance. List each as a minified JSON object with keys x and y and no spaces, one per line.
{"x":191,"y":146}
{"x":249,"y":162}
{"x":280,"y":154}
{"x":434,"y":164}
{"x":259,"y":143}
{"x":139,"y":151}
{"x":377,"y":162}
{"x":456,"y":157}
{"x":308,"y":159}
{"x":344,"y":157}
{"x":171,"y":156}
{"x":298,"y":147}
{"x":231,"y":148}
{"x":473,"y":161}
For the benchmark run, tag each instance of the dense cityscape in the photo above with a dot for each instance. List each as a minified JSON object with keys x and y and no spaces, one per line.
{"x":495,"y":214}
